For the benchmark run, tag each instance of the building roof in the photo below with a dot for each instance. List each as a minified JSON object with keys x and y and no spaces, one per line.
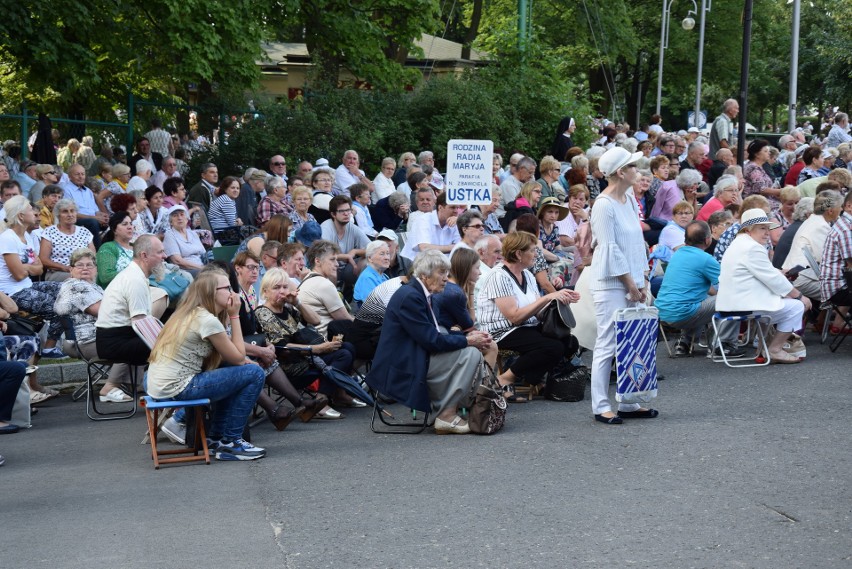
{"x":434,"y":48}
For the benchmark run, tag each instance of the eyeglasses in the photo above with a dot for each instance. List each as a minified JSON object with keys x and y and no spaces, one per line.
{"x":476,"y":226}
{"x":228,"y":288}
{"x":344,"y":211}
{"x":84,"y":266}
{"x":52,"y":172}
{"x":252,"y":268}
{"x":279,"y":163}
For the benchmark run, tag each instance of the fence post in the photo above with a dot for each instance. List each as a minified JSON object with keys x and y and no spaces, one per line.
{"x":24,"y":133}
{"x":130,"y":105}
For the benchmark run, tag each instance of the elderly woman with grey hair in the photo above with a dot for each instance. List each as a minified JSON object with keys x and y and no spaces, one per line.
{"x":682,"y":188}
{"x":828,"y":206}
{"x":391,"y":212}
{"x":378,"y":260}
{"x":60,"y":240}
{"x":802,"y":211}
{"x":418,"y":365}
{"x":725,"y":192}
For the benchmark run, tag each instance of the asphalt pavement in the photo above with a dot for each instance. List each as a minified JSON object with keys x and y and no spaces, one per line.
{"x":743,"y":468}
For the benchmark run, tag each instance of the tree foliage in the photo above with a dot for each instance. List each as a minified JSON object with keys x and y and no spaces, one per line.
{"x":370,"y":39}
{"x":515,"y":105}
{"x":86,"y":57}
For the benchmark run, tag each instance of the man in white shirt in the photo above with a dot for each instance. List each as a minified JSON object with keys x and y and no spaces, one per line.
{"x":170,"y":170}
{"x":490,"y":251}
{"x":348,"y":173}
{"x":424,"y":202}
{"x":127,"y":298}
{"x":839,"y":133}
{"x":436,"y":230}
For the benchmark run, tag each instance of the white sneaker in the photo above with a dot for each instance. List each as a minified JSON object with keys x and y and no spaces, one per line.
{"x":176,"y":432}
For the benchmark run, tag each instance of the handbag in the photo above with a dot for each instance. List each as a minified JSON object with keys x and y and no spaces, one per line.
{"x":308,"y":336}
{"x":256,"y":339}
{"x":557,"y":320}
{"x":174,"y":283}
{"x":18,"y":325}
{"x":487,"y":414}
{"x":567,"y":383}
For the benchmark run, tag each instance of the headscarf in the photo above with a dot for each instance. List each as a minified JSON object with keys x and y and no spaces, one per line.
{"x":562,"y":143}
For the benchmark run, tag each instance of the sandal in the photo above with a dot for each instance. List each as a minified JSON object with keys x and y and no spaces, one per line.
{"x":287,"y":415}
{"x":310,"y":408}
{"x":783,"y":358}
{"x":329,"y":414}
{"x":39,"y":397}
{"x":510,"y":395}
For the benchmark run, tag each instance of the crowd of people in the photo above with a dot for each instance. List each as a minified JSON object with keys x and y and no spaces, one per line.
{"x":334,"y":268}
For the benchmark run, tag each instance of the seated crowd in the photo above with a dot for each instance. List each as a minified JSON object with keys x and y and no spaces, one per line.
{"x":333,"y":268}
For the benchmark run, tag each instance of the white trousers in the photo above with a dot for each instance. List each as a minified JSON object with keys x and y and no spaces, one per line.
{"x":606,"y":303}
{"x":789,"y":317}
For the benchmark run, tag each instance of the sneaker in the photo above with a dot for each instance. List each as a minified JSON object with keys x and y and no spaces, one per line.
{"x":239,"y":449}
{"x":212,"y":446}
{"x":681,"y":349}
{"x":176,"y":432}
{"x":731,"y":352}
{"x":53,"y":354}
{"x":796,"y":348}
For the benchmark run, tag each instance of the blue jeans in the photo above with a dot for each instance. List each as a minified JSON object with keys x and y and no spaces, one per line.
{"x":233,"y":392}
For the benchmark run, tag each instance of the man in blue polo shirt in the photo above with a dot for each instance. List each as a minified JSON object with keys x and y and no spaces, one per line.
{"x":90,"y":214}
{"x":687,"y":298}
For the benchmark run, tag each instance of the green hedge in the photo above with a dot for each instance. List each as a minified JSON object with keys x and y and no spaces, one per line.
{"x":515,"y":105}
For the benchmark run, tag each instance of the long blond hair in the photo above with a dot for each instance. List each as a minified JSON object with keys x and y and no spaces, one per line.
{"x":201,"y":295}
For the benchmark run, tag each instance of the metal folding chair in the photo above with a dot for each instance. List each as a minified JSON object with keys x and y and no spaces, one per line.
{"x":754,"y":321}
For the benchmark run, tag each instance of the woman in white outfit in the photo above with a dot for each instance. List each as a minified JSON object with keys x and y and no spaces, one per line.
{"x":618,"y":274}
{"x":749,"y":282}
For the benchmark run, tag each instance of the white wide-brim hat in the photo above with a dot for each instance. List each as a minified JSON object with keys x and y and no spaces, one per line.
{"x":616,"y":158}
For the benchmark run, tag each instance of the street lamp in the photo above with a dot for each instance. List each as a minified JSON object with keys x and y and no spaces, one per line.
{"x":687,"y":24}
{"x":705,"y":8}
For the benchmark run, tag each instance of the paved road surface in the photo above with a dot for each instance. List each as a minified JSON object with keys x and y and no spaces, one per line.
{"x":746,"y":468}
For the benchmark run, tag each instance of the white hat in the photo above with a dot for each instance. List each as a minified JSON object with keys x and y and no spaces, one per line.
{"x":616,"y":158}
{"x":757,"y":216}
{"x":801,"y":149}
{"x":693,"y":129}
{"x":176,"y":208}
{"x":388,"y":234}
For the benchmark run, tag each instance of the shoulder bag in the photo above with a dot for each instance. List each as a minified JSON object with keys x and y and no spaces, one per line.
{"x":487,"y":414}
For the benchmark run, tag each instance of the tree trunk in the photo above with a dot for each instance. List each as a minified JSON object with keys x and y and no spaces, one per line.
{"x":473,"y":30}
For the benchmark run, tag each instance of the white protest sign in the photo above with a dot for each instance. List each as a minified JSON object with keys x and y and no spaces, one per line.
{"x":468,"y":178}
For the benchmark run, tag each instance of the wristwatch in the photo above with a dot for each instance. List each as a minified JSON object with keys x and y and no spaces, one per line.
{"x":798,"y":297}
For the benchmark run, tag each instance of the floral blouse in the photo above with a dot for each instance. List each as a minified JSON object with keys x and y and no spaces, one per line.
{"x":279,"y":328}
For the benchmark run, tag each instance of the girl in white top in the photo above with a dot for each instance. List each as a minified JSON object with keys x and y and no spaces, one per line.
{"x":618,"y":273}
{"x":185,"y":363}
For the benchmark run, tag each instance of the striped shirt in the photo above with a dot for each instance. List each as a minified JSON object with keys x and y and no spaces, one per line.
{"x":223,"y":212}
{"x":838,"y":248}
{"x":499,"y":284}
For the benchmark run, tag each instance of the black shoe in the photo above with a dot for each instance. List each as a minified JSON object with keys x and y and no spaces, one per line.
{"x":731,"y":352}
{"x":614,"y":420}
{"x":640,"y":414}
{"x":681,"y":349}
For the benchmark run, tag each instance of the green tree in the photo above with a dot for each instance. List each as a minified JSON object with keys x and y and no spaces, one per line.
{"x":370,"y":39}
{"x":83,"y":59}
